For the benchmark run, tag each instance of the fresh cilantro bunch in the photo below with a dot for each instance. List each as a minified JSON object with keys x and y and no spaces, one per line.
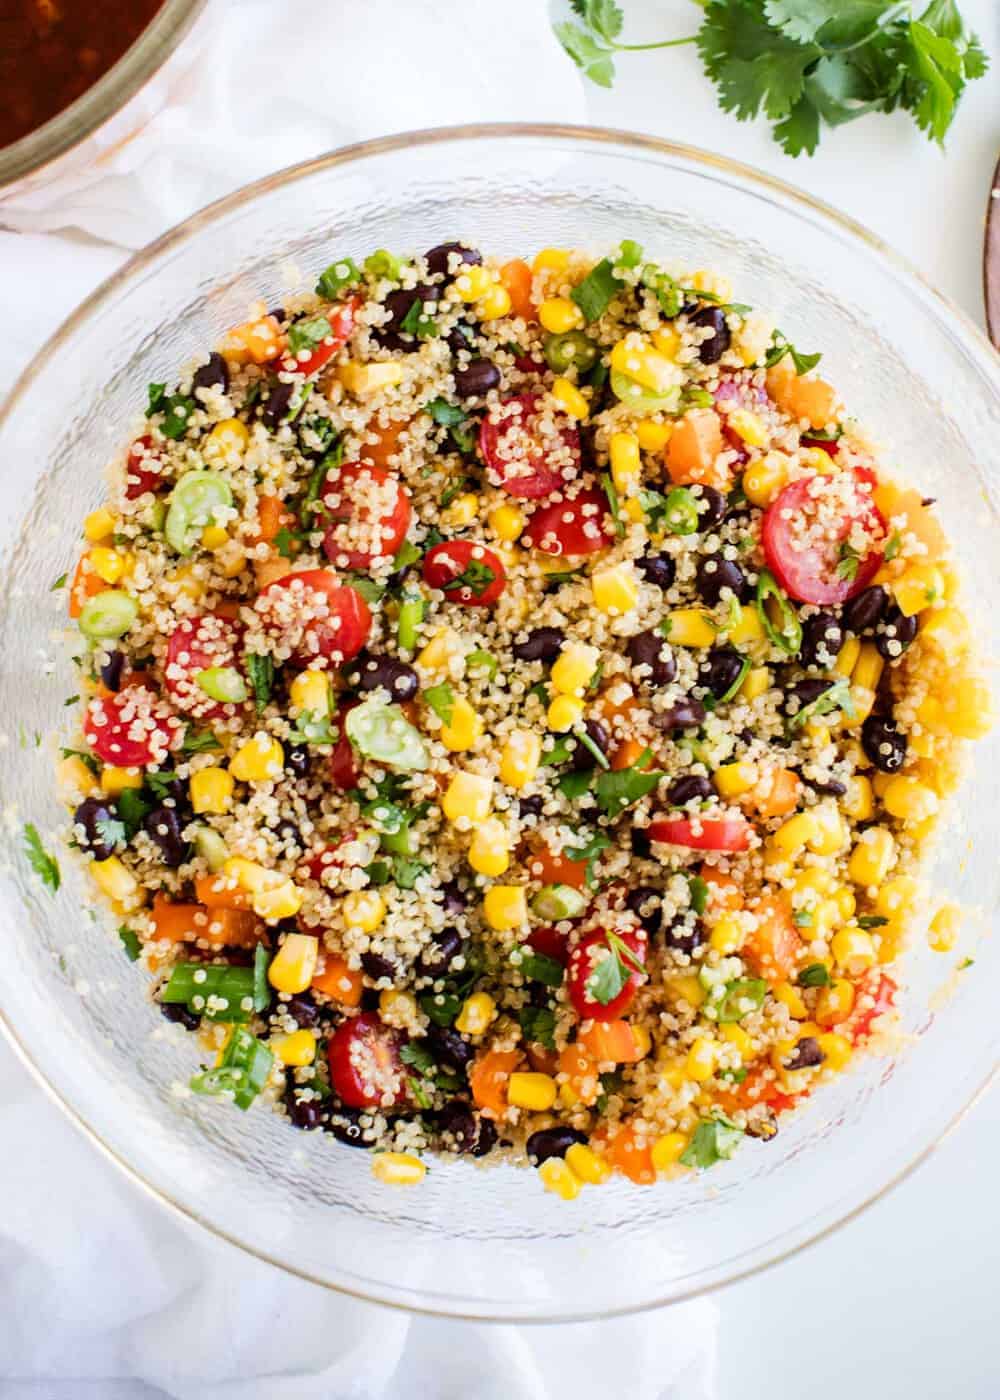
{"x":805,"y":63}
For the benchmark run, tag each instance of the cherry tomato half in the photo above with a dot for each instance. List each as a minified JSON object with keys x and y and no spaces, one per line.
{"x":465,"y":572}
{"x":345,"y":770}
{"x":329,"y":857}
{"x":583,"y":964}
{"x":882,"y":990}
{"x":131,"y":729}
{"x":341,"y":320}
{"x":199,"y":644}
{"x":550,"y":943}
{"x":712,"y":834}
{"x":142,"y":468}
{"x":316,"y":615}
{"x":521,"y":458}
{"x":806,"y":554}
{"x":369,"y":512}
{"x":579,"y":526}
{"x":366,"y":1068}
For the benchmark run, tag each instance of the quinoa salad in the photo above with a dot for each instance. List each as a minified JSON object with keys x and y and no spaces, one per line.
{"x":514,"y":704}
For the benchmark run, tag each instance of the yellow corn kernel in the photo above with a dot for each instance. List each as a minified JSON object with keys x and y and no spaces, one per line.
{"x":505,"y":907}
{"x":294,"y":964}
{"x":790,"y":996}
{"x":187,"y":582}
{"x":228,"y":438}
{"x":667,"y":1150}
{"x":764,"y":479}
{"x":109,"y":564}
{"x":858,"y":802}
{"x":667,"y":340}
{"x":968,"y":708}
{"x":873,"y":856}
{"x":573,"y":668}
{"x":716,"y":282}
{"x":464,"y":510}
{"x":282,"y":900}
{"x":520,"y":758}
{"x":810,"y":885}
{"x":250,"y":875}
{"x":535,"y":1092}
{"x":947,"y":632}
{"x":569,"y":398}
{"x":747,"y":426}
{"x":835,"y":1002}
{"x":868,"y":667}
{"x":370,"y":379}
{"x":211,"y":790}
{"x":795,"y":834}
{"x":398,"y":1169}
{"x":563,"y":712}
{"x":507,"y":522}
{"x":847,"y":657}
{"x":853,"y":949}
{"x":585,"y":1164}
{"x":477,"y":1014}
{"x":560,"y":1179}
{"x":295,"y":1050}
{"x":116,"y":780}
{"x":909,"y":799}
{"x":863,"y":701}
{"x":310,"y":691}
{"x":831,"y":833}
{"x":699,"y":1063}
{"x":114,"y":879}
{"x":632,"y":510}
{"x":917,"y":588}
{"x":728,"y":935}
{"x":615,"y":589}
{"x":837,"y":1050}
{"x":643,"y":1041}
{"x":756,"y":683}
{"x":690,"y":627}
{"x":845,"y":902}
{"x":734,"y":779}
{"x":747,"y":627}
{"x":468,"y":795}
{"x":75,"y":778}
{"x":463,"y":728}
{"x":644,"y":365}
{"x":551,"y":260}
{"x":559,"y":314}
{"x":232,"y":561}
{"x":626,"y":462}
{"x":688,"y":989}
{"x":474,"y":282}
{"x":98,"y":525}
{"x":896,"y":897}
{"x":489,"y":853}
{"x":495,"y":304}
{"x":944,"y":928}
{"x":653,"y":436}
{"x":440,"y":651}
{"x":363,"y":909}
{"x":260,"y":760}
{"x":742,"y":1040}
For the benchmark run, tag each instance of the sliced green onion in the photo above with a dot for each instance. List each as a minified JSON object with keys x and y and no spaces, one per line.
{"x":108,"y":614}
{"x":223,"y":683}
{"x":629,"y":254}
{"x":196,"y":985}
{"x":555,"y":902}
{"x":787,"y":637}
{"x":210,"y":846}
{"x":382,"y":263}
{"x":193,"y":503}
{"x":668,"y":293}
{"x":383,"y":732}
{"x":242,"y":1072}
{"x":599,"y":757}
{"x":411,"y":614}
{"x":597,"y":290}
{"x":641,"y":400}
{"x":333,"y":279}
{"x":441,"y":699}
{"x":739,"y":999}
{"x":570,"y":350}
{"x":680,"y":512}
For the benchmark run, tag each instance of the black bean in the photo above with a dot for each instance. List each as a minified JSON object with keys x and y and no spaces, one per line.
{"x":765,"y":1127}
{"x":684,"y":934}
{"x":530,"y":806}
{"x":832,"y":787}
{"x":163,"y":826}
{"x":712,"y":507}
{"x":438,"y":258}
{"x":399,"y":304}
{"x":377,"y":967}
{"x":552,"y":1142}
{"x":464,"y":1130}
{"x":657,"y":569}
{"x":297,"y":760}
{"x":288,"y":833}
{"x":94,"y":815}
{"x":804,"y":692}
{"x":720,"y":670}
{"x":822,"y":638}
{"x":371,"y":672}
{"x":862,"y":613}
{"x":715,"y":574}
{"x":449,"y":1047}
{"x":214,"y":374}
{"x":806,"y":1054}
{"x":541,"y":644}
{"x":600,"y":736}
{"x":687,"y":713}
{"x":650,"y":650}
{"x":642,"y":847}
{"x":646,"y":903}
{"x":370,"y":998}
{"x":345,"y":1125}
{"x":895,"y":633}
{"x":111,"y":670}
{"x":277,"y":403}
{"x":476,"y":380}
{"x":303,"y":1113}
{"x":884,"y":743}
{"x":461,"y":337}
{"x":177,"y":1012}
{"x":438,"y":958}
{"x":690,"y":788}
{"x":712,"y":349}
{"x":279,"y":313}
{"x":303,"y":1009}
{"x":454,"y":898}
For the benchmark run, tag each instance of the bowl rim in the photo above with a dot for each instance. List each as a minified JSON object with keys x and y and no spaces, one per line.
{"x":973,"y":341}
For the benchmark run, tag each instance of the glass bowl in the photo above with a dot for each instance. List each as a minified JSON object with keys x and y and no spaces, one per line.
{"x":468,"y":1242}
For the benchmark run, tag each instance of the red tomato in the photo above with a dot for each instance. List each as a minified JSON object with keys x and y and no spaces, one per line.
{"x":519,"y":456}
{"x":369,"y":512}
{"x":132,"y":729}
{"x":466,"y":573}
{"x":882,"y":989}
{"x":805,"y":561}
{"x":316,"y":615}
{"x":366,"y":1069}
{"x":328,"y":857}
{"x":345,"y":771}
{"x":824,"y":444}
{"x":550,"y":943}
{"x":713,"y":834}
{"x":196,"y":644}
{"x":341,"y":321}
{"x":579,"y":526}
{"x":582,"y":963}
{"x":142,"y":469}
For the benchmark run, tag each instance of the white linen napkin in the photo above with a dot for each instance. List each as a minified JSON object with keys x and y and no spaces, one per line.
{"x":107,"y":1296}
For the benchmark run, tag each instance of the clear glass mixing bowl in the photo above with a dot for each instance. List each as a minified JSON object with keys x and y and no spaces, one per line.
{"x":467,"y":1242}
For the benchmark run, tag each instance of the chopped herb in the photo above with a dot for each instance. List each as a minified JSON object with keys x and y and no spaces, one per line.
{"x":177,"y":410}
{"x":803,"y":918}
{"x":698,"y":894}
{"x":613,"y":504}
{"x":610,"y":1084}
{"x":740,"y":997}
{"x":441,"y":1008}
{"x":334,"y":279}
{"x":815,"y":975}
{"x":130,"y":942}
{"x":620,"y":789}
{"x":87,"y":758}
{"x":46,"y":867}
{"x":847,"y":568}
{"x":668,"y":293}
{"x":482,"y":661}
{"x":593,"y":684}
{"x":132,"y":809}
{"x":260,"y":669}
{"x":837,"y":696}
{"x":538,"y":1025}
{"x":870,"y":921}
{"x":407,"y":555}
{"x":537,"y":967}
{"x":59,"y":583}
{"x":406,"y":872}
{"x":590,"y":851}
{"x":598,"y":755}
{"x":597,"y":290}
{"x":447,"y":414}
{"x":557,"y":579}
{"x":416,"y":323}
{"x":715,"y":1140}
{"x":199,"y":742}
{"x":540,"y":692}
{"x":574,"y":785}
{"x":321,"y":429}
{"x":561,"y":752}
{"x":418,"y":1057}
{"x":476,"y":576}
{"x":441,"y":699}
{"x":611,"y":973}
{"x":966,"y":962}
{"x":285,"y":541}
{"x":156,"y":394}
{"x":454,"y":489}
{"x":780,"y":347}
{"x":733,"y":1076}
{"x":70,"y":700}
{"x":241,"y":1073}
{"x":308,"y":334}
{"x":161,"y":782}
{"x":371,"y":591}
{"x":463,"y":435}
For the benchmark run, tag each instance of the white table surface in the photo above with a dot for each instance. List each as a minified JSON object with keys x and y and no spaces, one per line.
{"x":900,"y":1302}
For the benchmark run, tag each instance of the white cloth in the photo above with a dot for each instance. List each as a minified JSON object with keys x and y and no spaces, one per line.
{"x":106,"y":1295}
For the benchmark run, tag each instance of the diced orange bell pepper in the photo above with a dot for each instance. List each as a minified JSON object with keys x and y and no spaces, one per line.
{"x":189,"y":923}
{"x":488,"y":1080}
{"x":920,"y":521}
{"x":387,"y":444}
{"x":272,"y":517}
{"x":693,"y":450}
{"x":254,"y":342}
{"x":772,"y":948}
{"x":631,"y":1155}
{"x":215,"y":892}
{"x":724,"y":891}
{"x":339,"y":981}
{"x":580,"y":1069}
{"x":628,"y":753}
{"x":552,"y":869}
{"x":779,"y":799}
{"x":611,"y":1040}
{"x":516,"y":277}
{"x":612,"y":710}
{"x":542,"y":1060}
{"x":84,"y":585}
{"x":812,"y":399}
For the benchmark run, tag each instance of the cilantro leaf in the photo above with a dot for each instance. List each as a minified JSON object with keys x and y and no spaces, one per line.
{"x":441,"y":699}
{"x":46,"y":867}
{"x":538,"y":1025}
{"x":195,"y":742}
{"x":589,"y":851}
{"x":620,"y":788}
{"x":130,"y":942}
{"x":815,"y":975}
{"x":588,"y":53}
{"x":754,"y":66}
{"x":307,"y":334}
{"x":260,"y":669}
{"x":612,"y":972}
{"x":799,"y":131}
{"x":715,"y":1139}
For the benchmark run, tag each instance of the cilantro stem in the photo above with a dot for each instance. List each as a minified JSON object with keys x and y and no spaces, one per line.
{"x":662,"y":44}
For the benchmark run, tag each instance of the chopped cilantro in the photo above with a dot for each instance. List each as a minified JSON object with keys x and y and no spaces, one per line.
{"x":815,"y":975}
{"x":46,"y":867}
{"x":260,"y":670}
{"x":714,"y":1140}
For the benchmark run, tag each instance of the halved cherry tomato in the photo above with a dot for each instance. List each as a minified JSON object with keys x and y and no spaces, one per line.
{"x":582,"y":963}
{"x":341,"y":320}
{"x":882,"y":989}
{"x":550,"y":943}
{"x":196,"y":644}
{"x":142,"y":468}
{"x":366,"y":1068}
{"x":712,"y":834}
{"x":465,"y":572}
{"x":803,"y":551}
{"x":316,"y":615}
{"x":519,"y":457}
{"x":578,"y":526}
{"x":345,"y":771}
{"x":773,"y":947}
{"x":132,"y":729}
{"x":364,"y":504}
{"x":329,"y":857}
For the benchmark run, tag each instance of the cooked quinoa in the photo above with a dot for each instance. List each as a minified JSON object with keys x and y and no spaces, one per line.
{"x":515,"y":703}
